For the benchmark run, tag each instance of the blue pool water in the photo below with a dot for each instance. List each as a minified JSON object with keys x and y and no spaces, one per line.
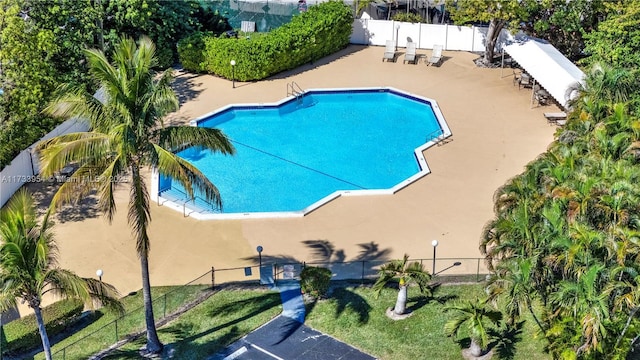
{"x":293,"y":155}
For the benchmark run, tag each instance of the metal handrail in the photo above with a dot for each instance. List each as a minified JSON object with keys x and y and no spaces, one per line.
{"x":293,"y":89}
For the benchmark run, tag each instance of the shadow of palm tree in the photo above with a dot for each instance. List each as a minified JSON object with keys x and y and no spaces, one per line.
{"x":321,"y":250}
{"x":244,"y":309}
{"x":372,"y":252}
{"x":347,"y":299}
{"x":272,"y":259}
{"x":506,"y":338}
{"x":184,"y":85}
{"x":43,"y":193}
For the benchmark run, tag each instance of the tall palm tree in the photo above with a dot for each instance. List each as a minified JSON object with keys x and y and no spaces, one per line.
{"x":476,"y":315}
{"x":406,"y":272}
{"x":128,"y":134}
{"x":29,"y":269}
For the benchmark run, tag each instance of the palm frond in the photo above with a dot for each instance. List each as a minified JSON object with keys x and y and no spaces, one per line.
{"x":187,"y":175}
{"x":175,"y":137}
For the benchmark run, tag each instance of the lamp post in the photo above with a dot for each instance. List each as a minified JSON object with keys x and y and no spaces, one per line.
{"x":99,"y":273}
{"x":434,"y":243}
{"x":397,"y":31}
{"x":233,"y":73}
{"x":259,"y":248}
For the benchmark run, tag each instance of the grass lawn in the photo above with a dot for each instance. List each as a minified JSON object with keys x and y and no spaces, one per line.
{"x":352,"y":315}
{"x":212,"y":325}
{"x":355,"y":316}
{"x":105,"y":332}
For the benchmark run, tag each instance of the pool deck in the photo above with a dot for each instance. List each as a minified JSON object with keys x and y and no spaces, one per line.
{"x":495,"y":134}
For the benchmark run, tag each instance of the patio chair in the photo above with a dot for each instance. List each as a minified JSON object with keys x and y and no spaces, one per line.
{"x":436,"y":55}
{"x":390,"y":51}
{"x":557,"y":118}
{"x":525,"y":81}
{"x":410,"y":55}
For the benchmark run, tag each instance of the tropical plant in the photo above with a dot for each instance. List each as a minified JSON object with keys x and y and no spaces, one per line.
{"x":477,"y":316}
{"x":127,"y":134}
{"x":497,"y":13}
{"x":29,"y":268}
{"x":407,"y":273}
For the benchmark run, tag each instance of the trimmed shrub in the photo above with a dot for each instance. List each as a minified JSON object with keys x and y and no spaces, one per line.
{"x":316,"y":33}
{"x":410,"y":18}
{"x":22,"y":335}
{"x":315,"y":281}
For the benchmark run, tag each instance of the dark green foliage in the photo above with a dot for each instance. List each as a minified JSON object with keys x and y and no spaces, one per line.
{"x":321,"y":31}
{"x":617,"y":40}
{"x":564,"y":244}
{"x":165,"y":22}
{"x":408,"y":17}
{"x":22,"y":335}
{"x":315,"y":281}
{"x":44,"y":49}
{"x":563,"y":23}
{"x":191,"y":51}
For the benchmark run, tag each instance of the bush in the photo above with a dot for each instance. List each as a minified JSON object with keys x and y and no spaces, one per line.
{"x":410,"y":17}
{"x":322,"y":30}
{"x":22,"y":335}
{"x":314,"y":281}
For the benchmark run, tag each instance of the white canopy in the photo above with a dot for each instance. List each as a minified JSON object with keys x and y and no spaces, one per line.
{"x":552,"y":70}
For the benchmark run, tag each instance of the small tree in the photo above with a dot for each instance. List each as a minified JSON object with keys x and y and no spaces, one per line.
{"x":406,"y":273}
{"x":498,"y":13}
{"x":29,"y":269}
{"x":475,"y":314}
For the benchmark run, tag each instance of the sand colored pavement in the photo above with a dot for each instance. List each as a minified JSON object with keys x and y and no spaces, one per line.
{"x":495,"y":134}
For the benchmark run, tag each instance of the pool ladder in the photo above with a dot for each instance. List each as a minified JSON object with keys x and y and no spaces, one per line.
{"x":293,"y":89}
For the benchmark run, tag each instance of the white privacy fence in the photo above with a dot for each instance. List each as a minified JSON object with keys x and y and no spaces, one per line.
{"x":452,"y":37}
{"x":25,"y":167}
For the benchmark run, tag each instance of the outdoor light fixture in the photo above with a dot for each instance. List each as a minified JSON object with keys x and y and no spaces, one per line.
{"x":233,"y":73}
{"x":259,"y":249}
{"x":434,"y":243}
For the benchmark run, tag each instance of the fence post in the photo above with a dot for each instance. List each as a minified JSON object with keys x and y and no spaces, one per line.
{"x":213,"y":278}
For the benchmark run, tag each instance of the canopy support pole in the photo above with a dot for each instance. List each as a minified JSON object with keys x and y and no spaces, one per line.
{"x":533,"y":92}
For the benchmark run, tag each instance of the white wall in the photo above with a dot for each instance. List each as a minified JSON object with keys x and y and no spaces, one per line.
{"x":25,"y":167}
{"x":452,"y":37}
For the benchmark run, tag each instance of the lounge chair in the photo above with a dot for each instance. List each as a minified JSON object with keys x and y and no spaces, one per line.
{"x":436,"y":55}
{"x":525,"y":81}
{"x":557,"y":118}
{"x":390,"y":51}
{"x":410,"y":55}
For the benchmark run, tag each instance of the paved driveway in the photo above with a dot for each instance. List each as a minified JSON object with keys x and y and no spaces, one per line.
{"x":284,"y":338}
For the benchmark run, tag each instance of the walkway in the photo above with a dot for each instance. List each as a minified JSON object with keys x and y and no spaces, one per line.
{"x":287,"y":338}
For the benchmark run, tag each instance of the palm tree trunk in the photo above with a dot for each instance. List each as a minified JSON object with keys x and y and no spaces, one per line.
{"x":535,"y":318}
{"x":475,"y":349}
{"x":154,"y":345}
{"x":401,"y":302}
{"x":43,"y":332}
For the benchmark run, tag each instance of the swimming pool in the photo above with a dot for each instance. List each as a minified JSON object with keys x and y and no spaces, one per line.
{"x":296,"y":155}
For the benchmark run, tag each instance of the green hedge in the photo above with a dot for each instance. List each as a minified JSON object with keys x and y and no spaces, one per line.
{"x":22,"y":335}
{"x":322,"y":30}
